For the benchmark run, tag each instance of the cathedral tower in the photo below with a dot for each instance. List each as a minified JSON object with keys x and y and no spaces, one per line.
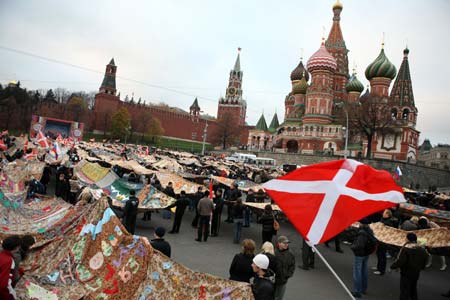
{"x":233,"y":102}
{"x":109,"y":80}
{"x":106,"y":100}
{"x":335,"y":45}
{"x":319,"y":98}
{"x":402,"y":93}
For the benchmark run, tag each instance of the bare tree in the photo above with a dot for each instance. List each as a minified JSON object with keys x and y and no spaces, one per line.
{"x":370,"y":117}
{"x":61,"y":94}
{"x":227,"y":131}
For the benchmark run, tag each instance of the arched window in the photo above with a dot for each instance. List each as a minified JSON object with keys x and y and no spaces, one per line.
{"x":394,"y":113}
{"x":306,"y":128}
{"x":289,"y":129}
{"x":311,"y":128}
{"x":294,"y":129}
{"x":405,"y":114}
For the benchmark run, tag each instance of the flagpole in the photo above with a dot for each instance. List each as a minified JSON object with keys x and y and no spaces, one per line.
{"x":332,"y":271}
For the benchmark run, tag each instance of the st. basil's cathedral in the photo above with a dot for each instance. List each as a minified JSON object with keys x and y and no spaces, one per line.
{"x":311,"y":124}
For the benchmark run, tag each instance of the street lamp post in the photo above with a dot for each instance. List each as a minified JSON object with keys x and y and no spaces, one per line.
{"x":127,"y":130}
{"x":205,"y":131}
{"x":341,"y":104}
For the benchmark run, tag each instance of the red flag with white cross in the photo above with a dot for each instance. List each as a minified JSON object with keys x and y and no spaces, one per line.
{"x":321,"y":200}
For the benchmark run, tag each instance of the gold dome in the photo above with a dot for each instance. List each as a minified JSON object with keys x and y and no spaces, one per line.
{"x":338,"y":5}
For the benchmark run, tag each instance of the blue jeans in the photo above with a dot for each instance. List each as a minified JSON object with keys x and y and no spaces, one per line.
{"x":360,"y":274}
{"x":237,"y":230}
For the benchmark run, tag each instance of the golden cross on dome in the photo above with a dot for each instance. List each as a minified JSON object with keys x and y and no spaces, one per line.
{"x":382,"y":42}
{"x":301,"y":54}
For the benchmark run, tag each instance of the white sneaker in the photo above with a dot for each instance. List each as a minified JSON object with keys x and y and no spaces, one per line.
{"x":443,"y":268}
{"x":377,"y":273}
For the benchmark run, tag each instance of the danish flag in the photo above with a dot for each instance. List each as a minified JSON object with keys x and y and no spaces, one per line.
{"x":42,"y":140}
{"x":321,"y":200}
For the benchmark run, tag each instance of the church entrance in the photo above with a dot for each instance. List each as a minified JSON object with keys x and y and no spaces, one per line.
{"x":292,"y":146}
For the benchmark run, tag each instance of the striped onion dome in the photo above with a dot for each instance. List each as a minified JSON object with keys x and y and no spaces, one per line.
{"x":381,"y":67}
{"x":321,"y":60}
{"x":354,"y":85}
{"x":300,"y":86}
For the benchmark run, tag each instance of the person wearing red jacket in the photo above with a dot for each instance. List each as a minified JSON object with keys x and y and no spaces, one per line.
{"x":9,"y":245}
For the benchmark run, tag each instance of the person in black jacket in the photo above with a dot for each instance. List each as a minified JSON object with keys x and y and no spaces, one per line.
{"x":267,"y":220}
{"x":308,"y":256}
{"x":217,"y":213}
{"x":264,"y":279}
{"x":238,"y":220}
{"x":361,"y":248}
{"x":387,"y":220}
{"x":232,"y":196}
{"x":159,"y":243}
{"x":197,"y":196}
{"x":241,"y":266}
{"x":130,"y":212}
{"x":62,"y":187}
{"x":250,"y":198}
{"x":285,"y":266}
{"x":180,"y":205}
{"x":411,"y":260}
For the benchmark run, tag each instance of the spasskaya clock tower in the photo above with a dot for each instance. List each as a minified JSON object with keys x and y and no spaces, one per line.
{"x":233,"y":103}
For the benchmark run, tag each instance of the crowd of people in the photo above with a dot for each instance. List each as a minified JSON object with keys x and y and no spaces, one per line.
{"x":268,"y":269}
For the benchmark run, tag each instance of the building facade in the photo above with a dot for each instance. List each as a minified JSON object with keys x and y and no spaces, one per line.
{"x":310,"y":122}
{"x":435,"y":157}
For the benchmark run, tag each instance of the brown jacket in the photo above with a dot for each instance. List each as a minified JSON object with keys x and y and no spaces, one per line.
{"x":205,"y":206}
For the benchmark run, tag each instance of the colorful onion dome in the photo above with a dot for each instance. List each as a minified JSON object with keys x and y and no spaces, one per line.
{"x":381,"y":67}
{"x":299,"y":71}
{"x":354,"y":85}
{"x":300,"y":86}
{"x":337,"y":5}
{"x":321,"y":60}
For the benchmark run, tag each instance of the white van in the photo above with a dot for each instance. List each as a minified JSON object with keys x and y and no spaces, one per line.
{"x":262,"y":161}
{"x":240,"y":157}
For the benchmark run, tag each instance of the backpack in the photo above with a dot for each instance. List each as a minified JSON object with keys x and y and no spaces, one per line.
{"x":371,"y":245}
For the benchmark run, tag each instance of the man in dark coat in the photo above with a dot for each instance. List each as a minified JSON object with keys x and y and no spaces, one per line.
{"x":411,"y":260}
{"x":264,"y":279}
{"x":180,"y":205}
{"x":197,"y":196}
{"x":362,"y":248}
{"x":159,"y":243}
{"x":217,"y":213}
{"x":285,"y":266}
{"x":130,"y":212}
{"x":232,"y":196}
{"x":387,"y":220}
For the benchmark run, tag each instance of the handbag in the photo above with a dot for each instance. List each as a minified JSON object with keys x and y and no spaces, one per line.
{"x":276,"y":225}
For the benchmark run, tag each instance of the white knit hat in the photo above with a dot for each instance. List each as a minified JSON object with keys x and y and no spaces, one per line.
{"x":261,"y":261}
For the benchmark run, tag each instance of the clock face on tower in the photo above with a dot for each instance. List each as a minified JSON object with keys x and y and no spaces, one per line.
{"x":231,"y":91}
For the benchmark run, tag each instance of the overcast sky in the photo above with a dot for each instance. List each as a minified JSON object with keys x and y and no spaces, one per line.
{"x":190,"y":46}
